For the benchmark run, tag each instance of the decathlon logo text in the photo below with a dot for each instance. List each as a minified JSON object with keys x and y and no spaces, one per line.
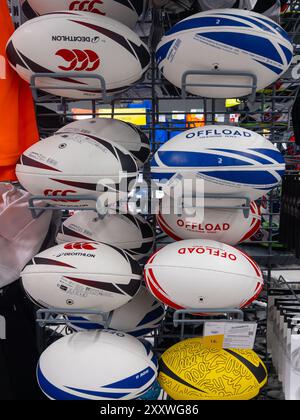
{"x":71,"y":38}
{"x":88,"y":246}
{"x":93,"y":6}
{"x":79,"y":60}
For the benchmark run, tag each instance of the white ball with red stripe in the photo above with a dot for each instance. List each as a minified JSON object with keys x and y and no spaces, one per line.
{"x":227,"y":226}
{"x":131,"y":233}
{"x":203,"y":274}
{"x":127,"y":135}
{"x":82,"y":275}
{"x":80,"y":43}
{"x":72,"y":164}
{"x":124,"y":11}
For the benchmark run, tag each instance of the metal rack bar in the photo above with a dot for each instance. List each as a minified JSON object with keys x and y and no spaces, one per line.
{"x":37,"y":210}
{"x":186,"y":74}
{"x":277,"y":131}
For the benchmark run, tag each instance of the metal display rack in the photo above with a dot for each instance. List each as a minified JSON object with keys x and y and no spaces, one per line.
{"x":259,"y":112}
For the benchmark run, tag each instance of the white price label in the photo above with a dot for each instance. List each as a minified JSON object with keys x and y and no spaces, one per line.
{"x":237,"y":335}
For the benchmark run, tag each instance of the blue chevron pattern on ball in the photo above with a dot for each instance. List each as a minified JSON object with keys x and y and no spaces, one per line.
{"x":230,"y":160}
{"x":97,"y":365}
{"x":225,"y":40}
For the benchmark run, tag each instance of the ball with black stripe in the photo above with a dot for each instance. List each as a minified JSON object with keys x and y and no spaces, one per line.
{"x":189,"y":370}
{"x":82,"y":275}
{"x":131,"y":233}
{"x":131,"y":137}
{"x":125,"y":11}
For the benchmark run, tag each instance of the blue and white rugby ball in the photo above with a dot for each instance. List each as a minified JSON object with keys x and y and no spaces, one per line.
{"x":232,"y":161}
{"x":97,"y":365}
{"x":225,"y":40}
{"x":138,"y":317}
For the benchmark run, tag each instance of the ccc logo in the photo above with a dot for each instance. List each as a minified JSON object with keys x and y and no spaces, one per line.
{"x":79,"y":60}
{"x":88,"y":246}
{"x":62,"y":194}
{"x":87,"y":6}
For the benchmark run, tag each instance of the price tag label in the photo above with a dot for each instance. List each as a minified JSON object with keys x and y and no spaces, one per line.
{"x":233,"y":335}
{"x":215,"y":341}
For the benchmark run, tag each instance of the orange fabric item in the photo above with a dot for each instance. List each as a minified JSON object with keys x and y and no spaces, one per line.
{"x":18,"y":122}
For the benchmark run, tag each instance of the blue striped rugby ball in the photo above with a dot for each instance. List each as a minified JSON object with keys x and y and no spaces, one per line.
{"x":225,"y":40}
{"x":231,"y":160}
{"x":138,"y":317}
{"x":97,"y":365}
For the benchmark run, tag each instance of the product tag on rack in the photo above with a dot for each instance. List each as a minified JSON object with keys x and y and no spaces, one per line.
{"x":234,"y":335}
{"x":213,"y":341}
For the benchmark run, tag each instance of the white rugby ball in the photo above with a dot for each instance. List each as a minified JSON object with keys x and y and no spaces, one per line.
{"x":110,"y":130}
{"x":229,"y":226}
{"x":203,"y":274}
{"x":82,"y":275}
{"x":81,"y":43}
{"x":131,"y":233}
{"x":73,"y":164}
{"x":124,"y":11}
{"x":98,"y":365}
{"x":225,"y":40}
{"x":232,"y":161}
{"x":138,"y":317}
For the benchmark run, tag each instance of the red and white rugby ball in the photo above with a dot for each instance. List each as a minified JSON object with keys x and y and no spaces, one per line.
{"x":73,"y":164}
{"x":203,"y":274}
{"x":82,"y":275}
{"x":227,"y":226}
{"x":131,"y":233}
{"x":120,"y":132}
{"x":78,"y":43}
{"x":124,"y":11}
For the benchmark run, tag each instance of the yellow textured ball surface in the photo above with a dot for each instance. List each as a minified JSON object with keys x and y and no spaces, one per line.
{"x":189,"y":371}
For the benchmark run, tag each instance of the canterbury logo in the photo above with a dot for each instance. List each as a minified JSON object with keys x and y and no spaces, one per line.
{"x":61,"y":193}
{"x":87,"y":6}
{"x":88,"y":246}
{"x":79,"y":60}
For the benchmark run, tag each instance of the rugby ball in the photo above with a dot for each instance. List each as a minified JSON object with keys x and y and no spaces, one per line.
{"x":138,"y":317}
{"x":197,"y":274}
{"x":124,"y":11}
{"x":225,"y":40}
{"x":131,"y":233}
{"x":82,"y":275}
{"x":97,"y":365}
{"x":110,"y":130}
{"x":82,"y":43}
{"x":223,"y":225}
{"x":231,"y":161}
{"x":72,"y":164}
{"x":190,"y":371}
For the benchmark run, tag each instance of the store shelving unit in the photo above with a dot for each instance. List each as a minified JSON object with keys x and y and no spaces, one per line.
{"x":267,"y":112}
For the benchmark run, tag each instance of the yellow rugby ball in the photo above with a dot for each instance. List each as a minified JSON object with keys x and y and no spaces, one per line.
{"x":190,"y":371}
